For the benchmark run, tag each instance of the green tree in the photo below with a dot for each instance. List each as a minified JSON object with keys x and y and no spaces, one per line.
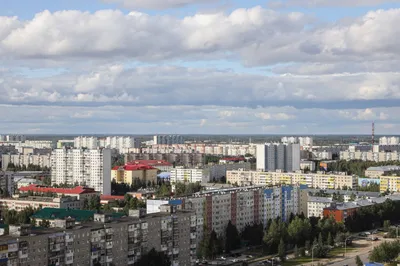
{"x":359,"y":261}
{"x":153,"y":258}
{"x":232,"y":238}
{"x":385,"y":252}
{"x":330,"y":239}
{"x":386,"y":225}
{"x":281,"y":250}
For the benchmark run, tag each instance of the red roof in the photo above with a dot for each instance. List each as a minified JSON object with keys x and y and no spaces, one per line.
{"x":44,"y":189}
{"x":111,"y":197}
{"x":233,"y":159}
{"x":134,"y":167}
{"x":154,"y":163}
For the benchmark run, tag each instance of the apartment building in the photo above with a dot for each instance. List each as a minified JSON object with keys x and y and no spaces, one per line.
{"x":389,"y":183}
{"x":20,"y":203}
{"x":168,"y":139}
{"x":42,"y":160}
{"x":7,"y":182}
{"x":307,"y":165}
{"x":389,"y":141}
{"x":303,"y":141}
{"x":86,"y":142}
{"x":215,"y":172}
{"x":317,"y":180}
{"x":121,"y":143}
{"x":316,"y":205}
{"x":39,"y":144}
{"x":12,"y":138}
{"x":181,"y":159}
{"x":128,"y":173}
{"x":186,"y":175}
{"x":107,"y":240}
{"x":242,"y":206}
{"x":276,"y":156}
{"x":378,"y":171}
{"x":84,"y":167}
{"x":381,"y":156}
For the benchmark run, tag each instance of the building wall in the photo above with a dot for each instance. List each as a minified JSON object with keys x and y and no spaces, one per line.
{"x":84,"y":167}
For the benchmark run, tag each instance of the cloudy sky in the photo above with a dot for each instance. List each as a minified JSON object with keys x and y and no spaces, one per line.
{"x":199,"y":66}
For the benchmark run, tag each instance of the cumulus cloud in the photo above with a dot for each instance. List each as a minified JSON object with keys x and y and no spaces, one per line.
{"x":328,"y":3}
{"x":157,"y":4}
{"x":187,"y":119}
{"x":256,"y":36}
{"x":174,"y":85}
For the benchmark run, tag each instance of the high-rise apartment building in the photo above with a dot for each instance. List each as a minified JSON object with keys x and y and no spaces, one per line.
{"x":12,"y":138}
{"x":121,"y":143}
{"x":168,"y":139}
{"x":86,"y":167}
{"x":86,"y":142}
{"x":242,"y":206}
{"x":276,"y":156}
{"x":107,"y":240}
{"x":303,"y":141}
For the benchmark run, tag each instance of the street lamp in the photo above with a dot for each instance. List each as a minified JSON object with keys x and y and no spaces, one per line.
{"x":312,"y":254}
{"x":345,"y":243}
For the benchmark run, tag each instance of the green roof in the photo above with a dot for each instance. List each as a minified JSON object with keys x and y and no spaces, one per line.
{"x":54,"y":213}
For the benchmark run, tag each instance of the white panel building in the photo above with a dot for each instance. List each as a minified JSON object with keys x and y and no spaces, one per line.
{"x":389,"y":141}
{"x":184,"y":175}
{"x":91,"y":167}
{"x":276,"y":156}
{"x":86,"y":142}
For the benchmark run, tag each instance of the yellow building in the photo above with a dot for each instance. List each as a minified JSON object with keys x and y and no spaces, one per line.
{"x":128,"y":173}
{"x":390,"y":183}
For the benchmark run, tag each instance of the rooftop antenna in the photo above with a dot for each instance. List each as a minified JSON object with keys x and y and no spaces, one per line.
{"x":373,"y":133}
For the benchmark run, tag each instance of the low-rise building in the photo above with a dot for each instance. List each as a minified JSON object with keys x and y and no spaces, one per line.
{"x":78,"y":192}
{"x":389,"y":183}
{"x":340,"y":211}
{"x":378,"y":171}
{"x":21,"y":203}
{"x":129,"y":172}
{"x":161,"y":165}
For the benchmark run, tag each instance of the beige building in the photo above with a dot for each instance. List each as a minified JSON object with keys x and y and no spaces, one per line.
{"x":376,"y":172}
{"x":316,"y":180}
{"x":128,"y":173}
{"x":390,"y":183}
{"x":19,"y":204}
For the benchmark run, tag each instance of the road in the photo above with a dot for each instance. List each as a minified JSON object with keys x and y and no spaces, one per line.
{"x":351,"y":261}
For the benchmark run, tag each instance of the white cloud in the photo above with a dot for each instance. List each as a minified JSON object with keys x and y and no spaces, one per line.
{"x":328,"y":3}
{"x":157,"y":4}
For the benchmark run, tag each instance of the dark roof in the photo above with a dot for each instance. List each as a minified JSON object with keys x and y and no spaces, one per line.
{"x":54,"y":213}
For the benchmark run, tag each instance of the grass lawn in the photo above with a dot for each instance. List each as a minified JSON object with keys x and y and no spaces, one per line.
{"x":340,"y":251}
{"x":298,"y":261}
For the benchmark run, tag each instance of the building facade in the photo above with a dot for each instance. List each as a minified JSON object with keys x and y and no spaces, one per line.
{"x":128,"y":173}
{"x":378,"y":171}
{"x":389,"y":141}
{"x":315,"y":180}
{"x":86,"y":142}
{"x":84,"y":167}
{"x":275,"y":156}
{"x":26,"y":159}
{"x":168,"y":139}
{"x":105,"y":241}
{"x":21,"y":203}
{"x":186,"y":175}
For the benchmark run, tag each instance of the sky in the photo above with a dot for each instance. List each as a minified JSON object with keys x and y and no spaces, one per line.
{"x":199,"y":66}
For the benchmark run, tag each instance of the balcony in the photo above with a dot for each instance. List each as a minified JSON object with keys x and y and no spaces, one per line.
{"x":192,"y":235}
{"x":109,"y":245}
{"x":109,"y":259}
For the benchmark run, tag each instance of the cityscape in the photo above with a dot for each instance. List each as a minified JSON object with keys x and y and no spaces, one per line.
{"x":199,"y":132}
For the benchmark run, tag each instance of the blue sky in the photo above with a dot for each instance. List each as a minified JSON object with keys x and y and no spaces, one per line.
{"x":199,"y":66}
